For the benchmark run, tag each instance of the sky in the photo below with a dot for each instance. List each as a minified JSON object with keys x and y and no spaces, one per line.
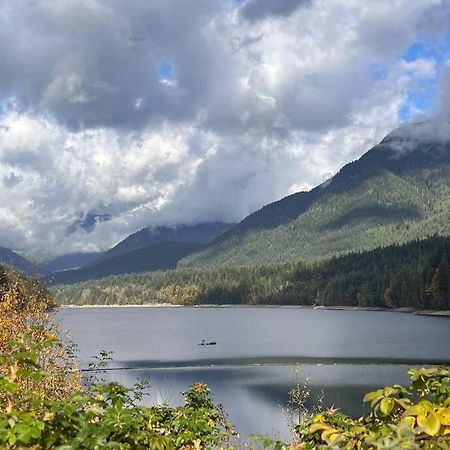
{"x":119,"y":115}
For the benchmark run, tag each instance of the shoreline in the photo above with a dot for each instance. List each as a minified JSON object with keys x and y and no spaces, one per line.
{"x":444,"y":313}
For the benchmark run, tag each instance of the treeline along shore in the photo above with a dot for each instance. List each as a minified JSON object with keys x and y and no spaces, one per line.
{"x":414,"y":275}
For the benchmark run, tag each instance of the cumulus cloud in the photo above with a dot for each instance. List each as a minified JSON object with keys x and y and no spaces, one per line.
{"x":168,"y":112}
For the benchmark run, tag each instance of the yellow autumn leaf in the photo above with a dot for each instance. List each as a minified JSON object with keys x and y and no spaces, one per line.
{"x":318,"y":418}
{"x":414,"y":410}
{"x":444,"y":415}
{"x":318,"y":427}
{"x":430,"y":424}
{"x":334,"y":438}
{"x":327,"y":433}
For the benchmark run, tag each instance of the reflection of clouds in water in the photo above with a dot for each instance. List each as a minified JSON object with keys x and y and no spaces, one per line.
{"x":253,"y":396}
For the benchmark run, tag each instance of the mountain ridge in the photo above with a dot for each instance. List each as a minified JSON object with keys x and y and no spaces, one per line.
{"x":395,"y":192}
{"x":201,"y":233}
{"x":10,"y":258}
{"x":159,"y":256}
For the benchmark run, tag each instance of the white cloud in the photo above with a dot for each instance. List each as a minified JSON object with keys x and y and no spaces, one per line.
{"x":420,"y":68}
{"x":268,"y":97}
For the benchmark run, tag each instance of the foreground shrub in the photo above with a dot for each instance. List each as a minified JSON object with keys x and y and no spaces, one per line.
{"x":101,"y":416}
{"x":26,"y":309}
{"x":400,"y":418}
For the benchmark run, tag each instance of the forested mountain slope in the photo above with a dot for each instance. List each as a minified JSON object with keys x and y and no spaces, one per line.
{"x":398,"y":191}
{"x":201,"y":233}
{"x":159,"y":256}
{"x":70,"y":261}
{"x":413,"y":275}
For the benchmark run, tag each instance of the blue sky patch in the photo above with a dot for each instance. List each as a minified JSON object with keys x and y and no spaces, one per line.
{"x":424,"y":96}
{"x":166,"y":71}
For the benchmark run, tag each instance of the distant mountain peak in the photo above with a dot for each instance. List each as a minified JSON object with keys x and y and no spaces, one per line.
{"x":157,"y":256}
{"x":414,"y":135}
{"x":152,"y":248}
{"x":202,"y":233}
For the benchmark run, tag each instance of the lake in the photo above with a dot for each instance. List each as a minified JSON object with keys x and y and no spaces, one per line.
{"x":260,"y":353}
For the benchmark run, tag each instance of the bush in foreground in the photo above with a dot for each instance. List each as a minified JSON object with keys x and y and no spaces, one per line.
{"x":107,"y":416}
{"x":26,"y":309}
{"x":400,"y":418}
{"x":101,"y":416}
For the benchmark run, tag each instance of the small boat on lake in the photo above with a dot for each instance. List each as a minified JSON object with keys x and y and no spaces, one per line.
{"x":207,"y":343}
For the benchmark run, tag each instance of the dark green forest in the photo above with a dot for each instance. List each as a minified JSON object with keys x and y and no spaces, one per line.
{"x":415,"y":275}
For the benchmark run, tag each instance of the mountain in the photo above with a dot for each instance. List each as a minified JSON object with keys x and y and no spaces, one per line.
{"x":12,"y":259}
{"x":200,"y":233}
{"x":414,"y":275}
{"x":159,"y":256}
{"x":70,"y":261}
{"x":396,"y":192}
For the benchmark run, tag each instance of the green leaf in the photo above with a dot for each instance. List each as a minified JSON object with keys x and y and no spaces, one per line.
{"x":388,"y":391}
{"x":414,"y":410}
{"x":405,"y":403}
{"x":387,"y":405}
{"x":426,"y":405}
{"x":408,"y":421}
{"x":372,"y":395}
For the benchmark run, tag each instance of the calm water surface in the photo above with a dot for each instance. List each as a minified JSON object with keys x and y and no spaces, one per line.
{"x":261,"y":353}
